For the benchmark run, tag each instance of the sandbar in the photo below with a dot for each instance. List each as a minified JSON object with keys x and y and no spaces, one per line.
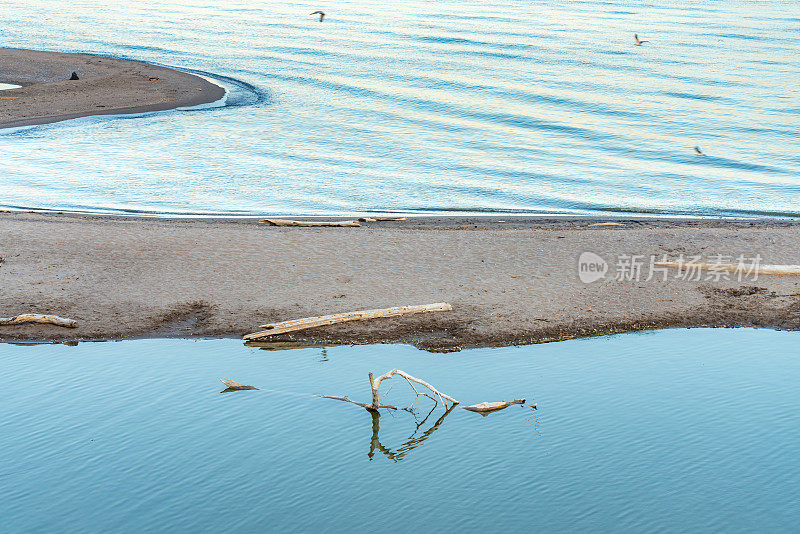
{"x":510,"y":280}
{"x":106,"y":86}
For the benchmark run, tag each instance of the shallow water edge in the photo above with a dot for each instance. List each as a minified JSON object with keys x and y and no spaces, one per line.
{"x":631,"y":433}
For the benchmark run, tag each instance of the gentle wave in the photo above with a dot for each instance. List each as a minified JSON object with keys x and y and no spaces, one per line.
{"x":457,"y":106}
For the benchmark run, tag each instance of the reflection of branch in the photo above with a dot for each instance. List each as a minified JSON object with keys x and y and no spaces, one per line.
{"x":410,"y":444}
{"x":426,"y":417}
{"x":375,"y":442}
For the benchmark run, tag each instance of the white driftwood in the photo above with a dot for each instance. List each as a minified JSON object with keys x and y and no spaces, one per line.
{"x":376,"y":219}
{"x":37,"y":318}
{"x":488,"y":407}
{"x":280,"y":222}
{"x":793,"y":270}
{"x":324,"y":320}
{"x":375,"y":383}
{"x":233,"y":384}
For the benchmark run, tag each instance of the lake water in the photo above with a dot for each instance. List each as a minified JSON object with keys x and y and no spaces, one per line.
{"x":670,"y":431}
{"x":419,"y":107}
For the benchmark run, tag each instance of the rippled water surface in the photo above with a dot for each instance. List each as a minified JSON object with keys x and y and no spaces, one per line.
{"x":672,"y":431}
{"x":533,"y":106}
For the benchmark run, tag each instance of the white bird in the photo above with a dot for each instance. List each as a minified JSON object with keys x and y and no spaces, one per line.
{"x":638,"y":42}
{"x":699,"y":152}
{"x":320,"y":13}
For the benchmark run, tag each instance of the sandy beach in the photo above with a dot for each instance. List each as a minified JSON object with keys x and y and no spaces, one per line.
{"x":106,"y":86}
{"x":509,"y":280}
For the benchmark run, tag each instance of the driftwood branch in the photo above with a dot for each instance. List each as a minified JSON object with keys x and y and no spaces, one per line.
{"x":376,"y":382}
{"x":376,"y":219}
{"x":280,"y":222}
{"x":37,"y":318}
{"x":735,"y":268}
{"x":324,"y":320}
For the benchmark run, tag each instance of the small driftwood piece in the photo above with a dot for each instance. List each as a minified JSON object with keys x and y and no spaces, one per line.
{"x":324,"y":320}
{"x":376,"y":219}
{"x":280,"y":222}
{"x":37,"y":318}
{"x":485,"y":408}
{"x":793,"y":270}
{"x":233,"y":385}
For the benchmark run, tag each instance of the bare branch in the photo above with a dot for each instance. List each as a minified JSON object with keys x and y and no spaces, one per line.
{"x":376,"y":382}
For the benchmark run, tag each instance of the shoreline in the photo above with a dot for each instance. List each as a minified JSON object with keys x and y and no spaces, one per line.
{"x":106,"y":86}
{"x":510,"y":280}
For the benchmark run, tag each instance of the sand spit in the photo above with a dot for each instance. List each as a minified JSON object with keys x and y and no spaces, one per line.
{"x":106,"y":86}
{"x":509,"y":281}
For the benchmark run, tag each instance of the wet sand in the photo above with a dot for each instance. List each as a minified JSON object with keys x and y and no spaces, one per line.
{"x":510,"y":280}
{"x":106,"y":86}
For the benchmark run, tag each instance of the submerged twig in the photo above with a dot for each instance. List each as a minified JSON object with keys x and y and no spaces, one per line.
{"x":362,"y":404}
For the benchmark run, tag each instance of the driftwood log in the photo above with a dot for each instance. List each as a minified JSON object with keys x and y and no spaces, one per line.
{"x":324,"y":320}
{"x":793,"y":270}
{"x":485,"y":408}
{"x":376,"y":219}
{"x":37,"y":318}
{"x":281,"y":222}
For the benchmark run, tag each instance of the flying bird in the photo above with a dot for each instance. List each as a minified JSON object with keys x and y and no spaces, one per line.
{"x":699,"y":152}
{"x":320,"y":13}
{"x":635,"y":38}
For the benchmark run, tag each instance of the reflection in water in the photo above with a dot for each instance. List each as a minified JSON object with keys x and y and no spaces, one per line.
{"x":413,"y":440}
{"x":147,"y":412}
{"x":286,"y":344}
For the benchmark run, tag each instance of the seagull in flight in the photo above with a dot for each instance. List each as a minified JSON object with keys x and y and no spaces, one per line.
{"x":698,"y":151}
{"x":635,"y":38}
{"x":320,"y":13}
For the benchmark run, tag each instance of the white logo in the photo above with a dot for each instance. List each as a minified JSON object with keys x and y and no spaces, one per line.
{"x":591,"y":267}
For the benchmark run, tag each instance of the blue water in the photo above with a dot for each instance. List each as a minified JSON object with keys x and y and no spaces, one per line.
{"x":412,"y":106}
{"x":671,"y":431}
